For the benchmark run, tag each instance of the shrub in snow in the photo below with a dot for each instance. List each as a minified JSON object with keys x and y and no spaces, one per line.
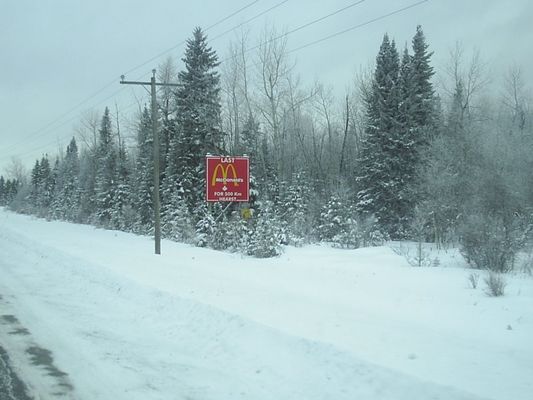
{"x":242,"y":234}
{"x":295,"y":209}
{"x":495,"y":284}
{"x":491,"y":242}
{"x":219,"y":238}
{"x":527,"y":264}
{"x":230,"y":232}
{"x":205,"y":226}
{"x":415,"y":256}
{"x":20,"y":202}
{"x":128,"y":219}
{"x":370,"y":233}
{"x":342,"y":226}
{"x":333,"y":218}
{"x":473,"y":279}
{"x":349,"y":236}
{"x":176,"y":222}
{"x":359,"y":232}
{"x":264,"y":241}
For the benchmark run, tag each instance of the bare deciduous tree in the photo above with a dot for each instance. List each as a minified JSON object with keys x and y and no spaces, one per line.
{"x":515,"y":98}
{"x":17,"y":170}
{"x":472,"y":76}
{"x":87,"y":128}
{"x":273,"y":68}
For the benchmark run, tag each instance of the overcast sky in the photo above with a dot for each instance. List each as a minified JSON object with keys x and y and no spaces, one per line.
{"x":57,"y":53}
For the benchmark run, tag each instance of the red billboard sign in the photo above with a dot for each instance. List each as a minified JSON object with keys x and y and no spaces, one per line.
{"x":227,"y":178}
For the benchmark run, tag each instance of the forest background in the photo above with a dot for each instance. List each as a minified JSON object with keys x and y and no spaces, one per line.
{"x":398,"y":157}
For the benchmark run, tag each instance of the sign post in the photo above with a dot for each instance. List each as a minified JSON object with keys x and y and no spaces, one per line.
{"x":227,"y":178}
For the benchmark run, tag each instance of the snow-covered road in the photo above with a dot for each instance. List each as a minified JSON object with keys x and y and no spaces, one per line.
{"x":316,"y":323}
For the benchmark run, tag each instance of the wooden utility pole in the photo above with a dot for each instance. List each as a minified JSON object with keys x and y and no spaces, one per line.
{"x":157,"y":203}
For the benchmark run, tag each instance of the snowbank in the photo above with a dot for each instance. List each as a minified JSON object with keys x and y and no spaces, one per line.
{"x":315,"y":323}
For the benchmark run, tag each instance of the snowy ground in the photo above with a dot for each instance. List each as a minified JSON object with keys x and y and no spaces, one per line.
{"x":315,"y":323}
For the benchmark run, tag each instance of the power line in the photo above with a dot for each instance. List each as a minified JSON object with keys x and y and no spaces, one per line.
{"x":251,"y":19}
{"x":231,"y":15}
{"x":359,"y":26}
{"x":49,"y":127}
{"x":72,"y":119}
{"x":398,"y":11}
{"x":55,"y":141}
{"x":184,"y":41}
{"x":114,"y":81}
{"x":325,"y":16}
{"x":315,"y":21}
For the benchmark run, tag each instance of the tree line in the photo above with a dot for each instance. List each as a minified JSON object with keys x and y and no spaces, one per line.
{"x":397,"y":159}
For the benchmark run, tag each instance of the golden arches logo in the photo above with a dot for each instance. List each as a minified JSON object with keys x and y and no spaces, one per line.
{"x":224,"y":174}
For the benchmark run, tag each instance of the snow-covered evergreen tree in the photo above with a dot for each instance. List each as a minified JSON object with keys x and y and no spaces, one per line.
{"x":35,"y":181}
{"x":106,"y":177}
{"x":341,"y":225}
{"x":177,"y":222}
{"x":144,"y":174}
{"x":9,"y":191}
{"x":295,"y":209}
{"x":122,"y":213}
{"x":399,"y":108}
{"x":197,"y":120}
{"x":193,"y":133}
{"x":47,"y":185}
{"x":265,"y":241}
{"x":3,"y":191}
{"x":379,"y":169}
{"x":205,"y":225}
{"x":250,"y":139}
{"x":333,"y":217}
{"x":87,"y":185}
{"x":66,"y":195}
{"x":42,"y":187}
{"x":198,"y":96}
{"x":423,"y":106}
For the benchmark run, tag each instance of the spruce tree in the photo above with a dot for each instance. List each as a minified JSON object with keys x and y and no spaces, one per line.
{"x":106,"y":158}
{"x":250,"y":139}
{"x":197,"y":121}
{"x":334,"y":217}
{"x":122,"y":215}
{"x":198,"y":96}
{"x":42,"y":186}
{"x":66,"y":193}
{"x":71,"y":190}
{"x":12,"y":188}
{"x":379,"y":175}
{"x":47,"y":185}
{"x":295,"y":208}
{"x":264,"y":241}
{"x":144,"y":174}
{"x":3,"y":195}
{"x":409,"y":140}
{"x":35,"y":184}
{"x":400,"y":108}
{"x":418,"y":116}
{"x":87,"y":185}
{"x":424,"y":96}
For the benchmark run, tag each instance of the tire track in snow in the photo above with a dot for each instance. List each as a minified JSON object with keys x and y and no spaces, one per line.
{"x":11,"y":386}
